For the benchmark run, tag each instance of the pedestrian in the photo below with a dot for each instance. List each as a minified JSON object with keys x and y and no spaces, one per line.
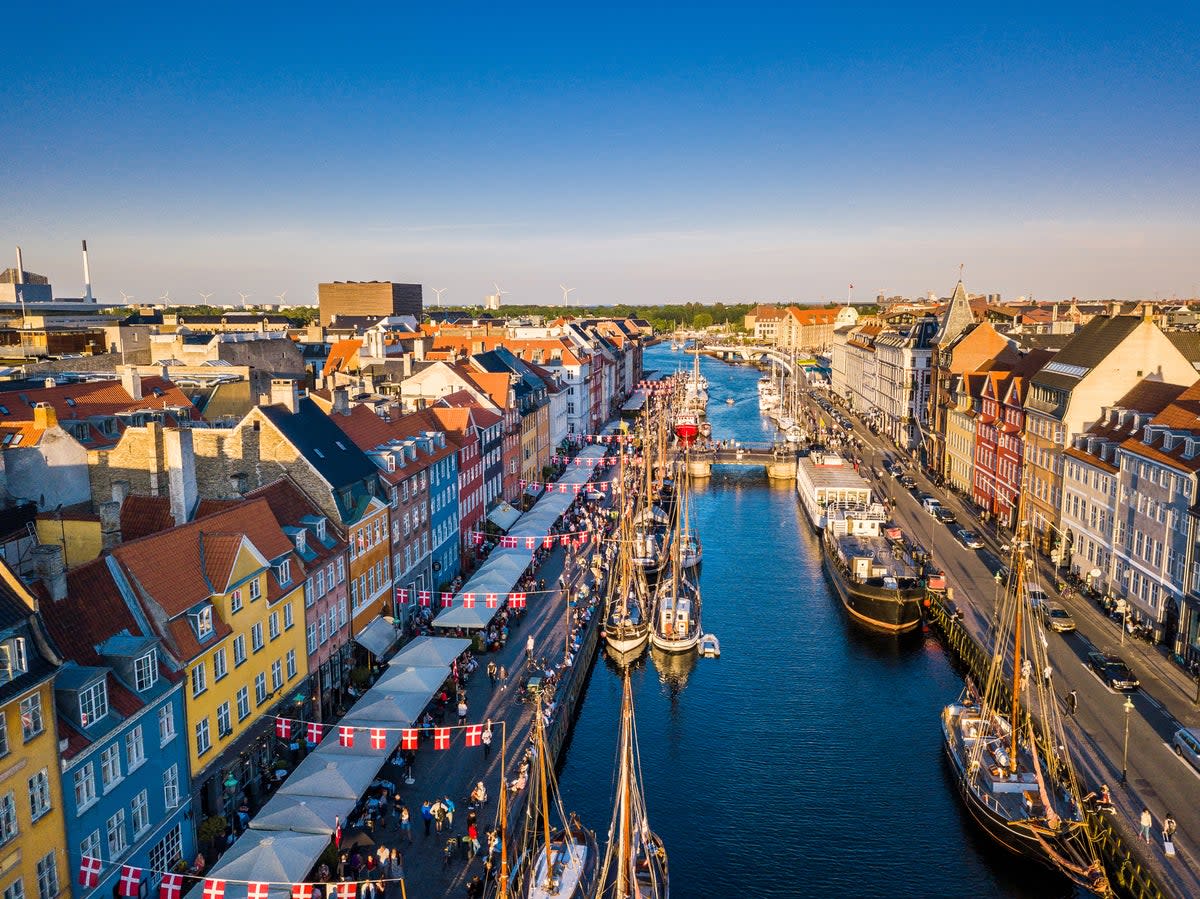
{"x":491,"y":671}
{"x":475,"y":888}
{"x":405,"y":824}
{"x":1147,"y":820}
{"x":427,"y":814}
{"x":473,"y":833}
{"x":439,"y":815}
{"x":1072,"y":703}
{"x":462,"y":712}
{"x":503,"y":678}
{"x":449,"y":807}
{"x":1169,"y":828}
{"x":396,"y":810}
{"x":1046,"y":672}
{"x":529,"y":648}
{"x":485,"y":739}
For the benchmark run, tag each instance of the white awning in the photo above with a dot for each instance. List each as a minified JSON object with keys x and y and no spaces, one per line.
{"x":409,"y":679}
{"x":345,"y":778}
{"x":430,"y":652}
{"x":378,"y":636}
{"x":278,"y":857}
{"x":504,"y":516}
{"x":387,"y":710}
{"x":302,"y":814}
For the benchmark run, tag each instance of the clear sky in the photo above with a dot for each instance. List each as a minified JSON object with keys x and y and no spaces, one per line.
{"x":704,"y":152}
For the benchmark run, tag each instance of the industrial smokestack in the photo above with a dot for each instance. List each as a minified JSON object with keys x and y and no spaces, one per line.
{"x":20,"y":267}
{"x":87,"y":277}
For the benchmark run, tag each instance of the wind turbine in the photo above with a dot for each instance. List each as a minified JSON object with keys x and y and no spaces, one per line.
{"x":166,"y":297}
{"x":204,"y":296}
{"x":499,"y":293}
{"x":567,"y":291}
{"x":439,"y":291}
{"x":280,"y":296}
{"x":125,"y":297}
{"x":243,"y":296}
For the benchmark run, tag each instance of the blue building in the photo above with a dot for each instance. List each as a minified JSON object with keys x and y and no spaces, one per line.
{"x":124,"y":755}
{"x":443,"y":510}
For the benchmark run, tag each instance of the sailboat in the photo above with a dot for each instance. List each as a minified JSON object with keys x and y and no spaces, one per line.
{"x":1008,"y":751}
{"x":562,"y":862}
{"x":676,"y":626}
{"x":626,"y":621}
{"x":635,"y":860}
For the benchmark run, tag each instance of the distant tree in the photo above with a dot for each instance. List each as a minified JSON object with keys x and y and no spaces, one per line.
{"x":702,"y":320}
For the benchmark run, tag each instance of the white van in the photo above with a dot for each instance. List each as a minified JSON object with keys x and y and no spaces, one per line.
{"x":931,"y":505}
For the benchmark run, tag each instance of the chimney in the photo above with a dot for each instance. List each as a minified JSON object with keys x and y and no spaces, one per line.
{"x":314,"y":333}
{"x":284,"y":392}
{"x":49,"y":383}
{"x":44,"y":416}
{"x":49,"y":565}
{"x":120,"y":490}
{"x":419,"y":349}
{"x":131,"y":381}
{"x":20,"y":267}
{"x":407,"y":363}
{"x":110,"y":525}
{"x":181,"y":473}
{"x":341,"y":401}
{"x":87,"y":277}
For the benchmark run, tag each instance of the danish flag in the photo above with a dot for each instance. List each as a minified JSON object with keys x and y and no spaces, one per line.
{"x":578,"y":461}
{"x":547,"y":542}
{"x":171,"y":886}
{"x":441,"y":738}
{"x":283,"y":728}
{"x":589,"y":438}
{"x":473,"y":734}
{"x":347,"y":889}
{"x":130,"y":881}
{"x":378,"y":738}
{"x":401,"y":594}
{"x":562,"y":488}
{"x":256,"y":890}
{"x":564,"y":539}
{"x":346,"y":736}
{"x":516,"y":600}
{"x":408,"y":738}
{"x":576,"y":487}
{"x":530,"y":542}
{"x":301,"y":891}
{"x":477,"y":538}
{"x":315,"y":732}
{"x":491,"y":600}
{"x":214,"y":889}
{"x":522,"y":481}
{"x":89,"y":871}
{"x":468,"y":600}
{"x":424,"y":597}
{"x":447,"y":600}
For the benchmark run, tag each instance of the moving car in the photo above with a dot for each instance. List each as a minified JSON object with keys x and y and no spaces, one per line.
{"x":906,"y":481}
{"x":1186,"y":743}
{"x":944,"y":515}
{"x":1057,"y":618}
{"x":1113,"y":671}
{"x":930,"y":504}
{"x":969,"y":539}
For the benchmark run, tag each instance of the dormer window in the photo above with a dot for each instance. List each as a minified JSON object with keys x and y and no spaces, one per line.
{"x":145,"y":671}
{"x":300,"y":540}
{"x":204,"y":622}
{"x":283,"y":572}
{"x":93,"y":703}
{"x":13,"y":659}
{"x":320,"y":529}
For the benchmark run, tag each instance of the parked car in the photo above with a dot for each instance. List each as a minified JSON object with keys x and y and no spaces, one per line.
{"x":944,"y":515}
{"x":1113,"y":671}
{"x":906,"y":481}
{"x":1057,"y":618}
{"x":969,"y":539}
{"x":930,"y":504}
{"x":1186,"y":743}
{"x":1037,"y":596}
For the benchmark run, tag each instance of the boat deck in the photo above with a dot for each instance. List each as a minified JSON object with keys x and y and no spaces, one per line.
{"x":886,"y":553}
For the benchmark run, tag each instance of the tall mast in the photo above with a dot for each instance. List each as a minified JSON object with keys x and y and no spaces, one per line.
{"x":625,"y":859}
{"x":1016,"y":678}
{"x":502,"y":817}
{"x":543,"y":776}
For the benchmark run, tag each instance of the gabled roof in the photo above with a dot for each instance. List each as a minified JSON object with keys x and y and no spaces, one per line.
{"x":143,"y":515}
{"x":1089,"y":346}
{"x":292,"y":508}
{"x":958,"y":316}
{"x":322,"y":443}
{"x":343,"y":356}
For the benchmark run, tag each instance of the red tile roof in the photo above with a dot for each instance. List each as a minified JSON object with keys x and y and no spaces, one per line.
{"x":143,"y":515}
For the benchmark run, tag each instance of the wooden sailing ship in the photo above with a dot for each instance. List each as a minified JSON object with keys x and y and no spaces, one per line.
{"x":676,"y":625}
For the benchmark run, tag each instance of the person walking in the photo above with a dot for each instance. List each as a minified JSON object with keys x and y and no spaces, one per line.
{"x":1169,"y":828}
{"x":462,"y":712}
{"x":405,"y":824}
{"x":448,"y":805}
{"x":1072,"y":703}
{"x":529,"y":649}
{"x":491,"y":672}
{"x":1046,"y":672}
{"x":503,"y":678}
{"x":1146,"y":821}
{"x":485,"y":739}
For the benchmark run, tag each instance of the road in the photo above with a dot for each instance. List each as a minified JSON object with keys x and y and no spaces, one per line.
{"x":1157,"y":778}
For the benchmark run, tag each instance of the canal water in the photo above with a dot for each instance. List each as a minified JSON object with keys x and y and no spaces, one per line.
{"x":807,"y":760}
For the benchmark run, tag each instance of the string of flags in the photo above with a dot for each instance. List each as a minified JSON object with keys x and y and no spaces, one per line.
{"x":511,"y":541}
{"x":552,"y":487}
{"x":591,"y":461}
{"x":424,"y":598}
{"x":314,"y":732}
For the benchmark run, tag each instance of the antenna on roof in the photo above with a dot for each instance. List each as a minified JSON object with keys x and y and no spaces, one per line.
{"x":567,"y":291}
{"x":439,"y":291}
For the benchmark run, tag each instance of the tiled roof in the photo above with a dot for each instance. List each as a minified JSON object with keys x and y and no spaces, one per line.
{"x":322,"y":443}
{"x":341,"y":354}
{"x":1089,"y":346}
{"x":290,"y":507}
{"x":142,"y":515}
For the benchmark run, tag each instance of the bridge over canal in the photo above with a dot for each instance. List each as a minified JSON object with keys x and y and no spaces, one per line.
{"x":778,"y":458}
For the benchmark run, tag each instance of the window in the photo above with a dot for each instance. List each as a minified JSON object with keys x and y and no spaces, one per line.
{"x":310,"y":592}
{"x":235,"y":601}
{"x":291,"y":664}
{"x":260,"y":688}
{"x":289,"y":617}
{"x":166,"y":725}
{"x":204,"y":622}
{"x":321,"y":629}
{"x":47,"y":873}
{"x":255,"y":590}
{"x":321,"y":581}
{"x":239,"y":650}
{"x":167,"y":851}
{"x":311,"y":635}
{"x":140,"y":818}
{"x":135,"y":749}
{"x":274,"y":625}
{"x":171,"y":787}
{"x":256,"y":636}
{"x":203,"y":738}
{"x":31,"y":716}
{"x":342,"y":612}
{"x":13,"y":659}
{"x":243,"y":703}
{"x":90,"y":846}
{"x":85,"y":787}
{"x":39,"y":795}
{"x":283,"y":572}
{"x":341,"y":569}
{"x":8,"y":818}
{"x":116,"y":835}
{"x":199,"y":679}
{"x":276,"y":675}
{"x":3,"y":736}
{"x":110,"y":767}
{"x":220,"y":666}
{"x":16,"y":889}
{"x":145,"y":671}
{"x":224,"y":724}
{"x":354,"y":593}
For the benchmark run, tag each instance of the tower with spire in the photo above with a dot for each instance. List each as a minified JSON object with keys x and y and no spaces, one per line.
{"x":956,"y":321}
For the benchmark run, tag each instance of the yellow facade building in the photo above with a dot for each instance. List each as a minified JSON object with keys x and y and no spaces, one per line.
{"x":32,"y":858}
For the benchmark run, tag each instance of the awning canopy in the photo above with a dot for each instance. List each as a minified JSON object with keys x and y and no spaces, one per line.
{"x":279,"y":857}
{"x":636,"y":402}
{"x":504,"y":567}
{"x":346,"y":778}
{"x":408,"y":679}
{"x":302,"y":814}
{"x":377,"y":637}
{"x":504,"y":516}
{"x":387,"y":709}
{"x":430,"y":652}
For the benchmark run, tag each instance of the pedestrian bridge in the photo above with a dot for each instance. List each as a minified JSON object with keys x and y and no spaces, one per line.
{"x":779,"y":459}
{"x":756,"y":354}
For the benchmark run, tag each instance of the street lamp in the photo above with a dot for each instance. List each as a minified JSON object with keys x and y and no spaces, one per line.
{"x":1128,"y":706}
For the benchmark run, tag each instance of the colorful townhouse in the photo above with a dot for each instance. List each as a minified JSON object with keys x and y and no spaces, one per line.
{"x":225,"y":596}
{"x":33,"y":861}
{"x":124,"y":750}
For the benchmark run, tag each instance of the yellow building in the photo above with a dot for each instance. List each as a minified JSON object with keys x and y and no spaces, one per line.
{"x":32,"y":859}
{"x":226,"y":593}
{"x":960,"y":430}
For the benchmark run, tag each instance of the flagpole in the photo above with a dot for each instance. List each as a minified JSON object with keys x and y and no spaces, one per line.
{"x":502,"y":813}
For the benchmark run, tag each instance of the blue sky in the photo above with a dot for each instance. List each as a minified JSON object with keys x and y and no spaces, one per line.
{"x":714,"y":152}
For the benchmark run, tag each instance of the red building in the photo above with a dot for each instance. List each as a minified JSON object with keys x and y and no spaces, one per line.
{"x":464,"y":432}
